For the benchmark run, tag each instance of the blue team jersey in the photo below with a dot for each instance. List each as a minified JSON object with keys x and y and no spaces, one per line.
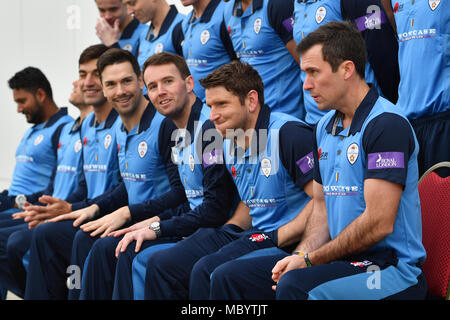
{"x":423,"y":29}
{"x":308,"y":16}
{"x":380,"y":144}
{"x":130,"y":38}
{"x":36,"y":155}
{"x":100,"y":161}
{"x":141,"y":164}
{"x":164,"y":42}
{"x":206,"y":44}
{"x":189,"y":161}
{"x":270,"y":186}
{"x":69,"y":158}
{"x":259,"y":36}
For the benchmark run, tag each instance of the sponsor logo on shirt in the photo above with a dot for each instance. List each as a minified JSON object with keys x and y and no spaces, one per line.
{"x":261,"y":203}
{"x":361,"y":264}
{"x":211,"y":158}
{"x":385,"y":160}
{"x":416,"y":34}
{"x":190,"y":194}
{"x":322,"y":155}
{"x":135,"y":177}
{"x":66,"y":169}
{"x":340,"y":190}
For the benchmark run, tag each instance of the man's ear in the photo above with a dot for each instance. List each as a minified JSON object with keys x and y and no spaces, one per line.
{"x":190,"y":83}
{"x":348,"y":69}
{"x":40,"y":95}
{"x":252,"y":100}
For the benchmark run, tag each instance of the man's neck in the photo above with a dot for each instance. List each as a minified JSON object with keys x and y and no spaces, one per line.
{"x":351,"y":102}
{"x":102,"y":111}
{"x":158,"y":20}
{"x":50,"y":109}
{"x":199,"y":7}
{"x":131,"y":121}
{"x":182,"y":120}
{"x":84,"y":111}
{"x":245,"y":4}
{"x":125,"y":23}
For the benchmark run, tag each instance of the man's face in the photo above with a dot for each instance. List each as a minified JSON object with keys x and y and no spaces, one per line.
{"x":143,"y":10}
{"x":227,"y":112}
{"x":76,"y":97}
{"x":111,"y":10}
{"x":91,"y":85}
{"x":122,"y":88}
{"x":167,"y":90}
{"x":324,"y":85}
{"x":28,"y":104}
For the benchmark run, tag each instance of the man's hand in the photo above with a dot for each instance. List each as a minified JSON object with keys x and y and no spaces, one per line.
{"x":139,"y":236}
{"x":35,"y":215}
{"x":106,"y":33}
{"x":108,"y":223}
{"x":289,"y":263}
{"x":143,"y":224}
{"x":79,"y":215}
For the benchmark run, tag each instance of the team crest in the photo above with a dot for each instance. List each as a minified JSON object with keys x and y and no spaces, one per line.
{"x":204,"y":36}
{"x":142,"y":149}
{"x":191,"y":162}
{"x":434,"y":4}
{"x":78,"y":146}
{"x":257,"y":25}
{"x":38,"y":139}
{"x":159,"y":48}
{"x":107,"y":141}
{"x":352,"y":153}
{"x":128,"y":47}
{"x":321,"y":13}
{"x":266,"y":167}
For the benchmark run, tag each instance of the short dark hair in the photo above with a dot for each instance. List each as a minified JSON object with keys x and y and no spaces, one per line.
{"x":31,"y":79}
{"x":91,"y":53}
{"x":163,"y":58}
{"x":237,"y":77}
{"x":341,"y":41}
{"x":115,"y":56}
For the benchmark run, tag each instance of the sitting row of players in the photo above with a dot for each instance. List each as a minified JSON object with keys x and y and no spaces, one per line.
{"x":173,"y":203}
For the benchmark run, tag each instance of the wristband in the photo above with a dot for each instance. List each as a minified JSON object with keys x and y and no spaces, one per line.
{"x":305,"y":256}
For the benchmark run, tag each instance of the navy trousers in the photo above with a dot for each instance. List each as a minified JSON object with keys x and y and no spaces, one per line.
{"x":50,"y":252}
{"x":184,"y":271}
{"x":369,"y":276}
{"x":107,"y":277}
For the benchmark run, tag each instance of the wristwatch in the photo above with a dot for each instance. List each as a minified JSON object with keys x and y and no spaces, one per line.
{"x":155,"y":226}
{"x":20,"y":201}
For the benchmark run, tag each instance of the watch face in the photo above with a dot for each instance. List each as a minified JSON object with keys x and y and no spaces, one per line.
{"x":20,"y":200}
{"x":154,"y":224}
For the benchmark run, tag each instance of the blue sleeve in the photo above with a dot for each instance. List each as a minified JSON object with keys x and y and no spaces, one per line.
{"x":226,"y":40}
{"x":296,"y":151}
{"x":178,"y":38}
{"x":219,"y":194}
{"x":176,"y":195}
{"x":281,"y":15}
{"x":317,"y":176}
{"x":388,"y":143}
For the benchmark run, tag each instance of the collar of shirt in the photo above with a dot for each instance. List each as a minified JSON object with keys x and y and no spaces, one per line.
{"x":61,"y":113}
{"x":129,"y":29}
{"x":207,"y":14}
{"x":112,"y":116}
{"x":168,"y":20}
{"x":256,"y":5}
{"x":360,"y":116}
{"x":307,"y":1}
{"x":146,"y":119}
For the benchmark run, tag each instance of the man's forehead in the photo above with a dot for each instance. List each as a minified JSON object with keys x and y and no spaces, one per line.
{"x":88,"y":66}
